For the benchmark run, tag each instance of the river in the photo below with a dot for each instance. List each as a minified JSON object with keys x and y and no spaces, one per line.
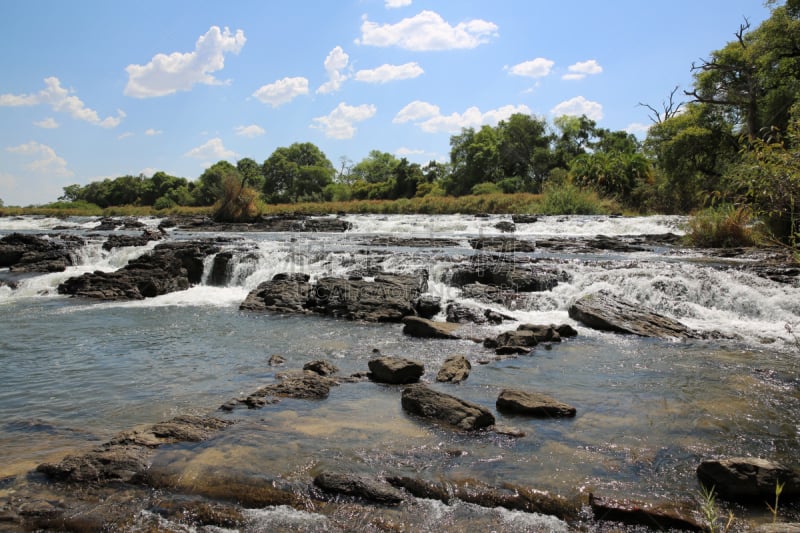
{"x":76,"y":372}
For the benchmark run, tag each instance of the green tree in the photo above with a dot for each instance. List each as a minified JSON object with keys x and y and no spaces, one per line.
{"x":574,"y":138}
{"x":210,"y":185}
{"x":297,"y":172}
{"x":474,"y":159}
{"x":407,"y":177}
{"x":251,"y":173}
{"x":377,"y":167}
{"x":524,"y":152}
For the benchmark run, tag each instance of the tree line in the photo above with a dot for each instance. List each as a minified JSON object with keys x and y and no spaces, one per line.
{"x":732,"y":138}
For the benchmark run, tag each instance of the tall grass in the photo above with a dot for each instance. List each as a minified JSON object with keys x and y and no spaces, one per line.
{"x":569,"y":199}
{"x":723,"y":226}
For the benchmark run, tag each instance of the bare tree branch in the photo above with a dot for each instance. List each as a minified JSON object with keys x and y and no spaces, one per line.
{"x":669,"y":108}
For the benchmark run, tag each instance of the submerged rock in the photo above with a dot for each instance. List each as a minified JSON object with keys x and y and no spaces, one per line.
{"x":519,"y":402}
{"x":604,"y":311}
{"x":359,"y":486}
{"x":661,"y":518}
{"x":749,"y":479}
{"x":426,"y":402}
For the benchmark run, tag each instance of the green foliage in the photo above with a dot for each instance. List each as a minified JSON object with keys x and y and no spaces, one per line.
{"x":211,"y":183}
{"x":722,"y":226}
{"x":239,"y":201}
{"x":298,"y":172}
{"x":708,"y":506}
{"x":486,"y":188}
{"x":77,"y":205}
{"x":569,"y":199}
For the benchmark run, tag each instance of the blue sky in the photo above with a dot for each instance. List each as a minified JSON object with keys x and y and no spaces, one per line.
{"x":92,"y":89}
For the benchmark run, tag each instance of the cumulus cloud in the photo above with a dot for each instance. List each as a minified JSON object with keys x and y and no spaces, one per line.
{"x":213,"y":150}
{"x":152,"y":132}
{"x":167,"y":74}
{"x":251,"y":131}
{"x":429,"y":118}
{"x":580,"y":70}
{"x":340,"y":123}
{"x":427,"y":31}
{"x":386,"y":73}
{"x":49,"y":123}
{"x":45,"y":160}
{"x":282,"y":91}
{"x":394,"y":4}
{"x":61,"y":101}
{"x":535,"y":68}
{"x":125,"y":135}
{"x":638,"y":129}
{"x":579,"y":106}
{"x":335,"y":63}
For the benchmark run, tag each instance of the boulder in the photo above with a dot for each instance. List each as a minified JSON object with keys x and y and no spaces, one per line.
{"x":604,"y":311}
{"x":542,"y":333}
{"x":323,"y":368}
{"x":659,"y":517}
{"x":395,"y":370}
{"x":463,"y":314}
{"x":359,"y":486}
{"x":428,"y":329}
{"x":29,"y":253}
{"x":524,"y":219}
{"x":513,"y":342}
{"x":502,"y":245}
{"x":519,"y":402}
{"x":749,"y":479}
{"x":120,"y":241}
{"x":515,"y":276}
{"x":455,"y":369}
{"x":506,"y":226}
{"x":426,"y":402}
{"x":284,"y":293}
{"x":428,"y":306}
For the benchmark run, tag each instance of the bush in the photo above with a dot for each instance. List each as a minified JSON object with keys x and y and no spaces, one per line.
{"x":569,"y":199}
{"x":239,"y":203}
{"x":723,"y":226}
{"x":486,"y":188}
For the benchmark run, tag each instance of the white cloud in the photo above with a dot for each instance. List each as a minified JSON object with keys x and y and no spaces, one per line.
{"x":535,"y":68}
{"x":403,"y":151}
{"x":579,"y":106}
{"x":45,"y":160}
{"x":49,"y":123}
{"x":394,"y":4}
{"x":340,"y":123}
{"x":152,"y":131}
{"x":429,"y":118}
{"x":580,"y":70}
{"x":282,"y":91}
{"x":427,"y":31}
{"x":637,"y":128}
{"x":251,"y":131}
{"x":125,"y":135}
{"x":167,"y":74}
{"x":60,"y":100}
{"x":387,"y":73}
{"x":213,"y":150}
{"x":335,"y":63}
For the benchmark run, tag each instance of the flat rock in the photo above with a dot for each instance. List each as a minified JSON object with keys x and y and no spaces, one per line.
{"x":455,"y":369}
{"x":428,"y":403}
{"x":603,"y":311}
{"x":749,"y":479}
{"x":395,"y":370}
{"x":532,"y":404}
{"x":284,"y":293}
{"x":360,"y":486}
{"x":661,"y":518}
{"x":428,"y":329}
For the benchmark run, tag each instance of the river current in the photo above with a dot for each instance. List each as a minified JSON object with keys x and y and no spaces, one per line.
{"x":74,"y":372}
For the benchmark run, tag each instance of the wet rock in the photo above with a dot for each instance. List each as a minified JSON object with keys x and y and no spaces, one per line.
{"x":535,"y":404}
{"x":511,"y":342}
{"x":359,"y":486}
{"x":465,"y":314}
{"x":415,"y":242}
{"x":505,"y":226}
{"x":120,"y":241}
{"x":29,"y":253}
{"x":227,"y":486}
{"x":185,"y":428}
{"x":307,"y":386}
{"x":422,"y":488}
{"x":661,"y":518}
{"x":505,"y":245}
{"x":784,"y":527}
{"x":275,"y":223}
{"x":284,"y":293}
{"x":524,"y":219}
{"x":605,"y":243}
{"x":276,"y":360}
{"x":487,"y":293}
{"x":516,"y":498}
{"x":565,"y":331}
{"x":395,"y":370}
{"x":323,"y":368}
{"x":428,"y":329}
{"x":749,"y":479}
{"x":542,"y":333}
{"x":604,"y":311}
{"x":455,"y":369}
{"x":220,"y":269}
{"x":325,"y":224}
{"x":428,"y":403}
{"x":203,"y":513}
{"x":428,"y":306}
{"x":515,"y":276}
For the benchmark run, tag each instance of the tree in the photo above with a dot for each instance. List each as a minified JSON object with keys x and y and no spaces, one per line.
{"x":524,"y":150}
{"x":297,"y":172}
{"x":377,"y":167}
{"x":210,"y":185}
{"x":669,"y":108}
{"x":1,"y":203}
{"x":251,"y":173}
{"x":475,"y":158}
{"x":407,"y":177}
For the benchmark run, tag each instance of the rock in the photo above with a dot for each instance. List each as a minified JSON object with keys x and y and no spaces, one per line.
{"x":428,"y":329}
{"x":783,"y":527}
{"x":504,"y":274}
{"x":519,"y":402}
{"x":455,"y":369}
{"x":276,"y":360}
{"x":524,"y":219}
{"x":29,"y":253}
{"x":423,"y":401}
{"x":661,"y":518}
{"x":284,"y":293}
{"x":415,"y":242}
{"x":506,"y":245}
{"x":220,"y":271}
{"x":505,"y":226}
{"x":395,"y":370}
{"x":359,"y":486}
{"x":565,"y":331}
{"x":749,"y":479}
{"x":428,"y":306}
{"x":120,"y":241}
{"x":323,"y":368}
{"x":422,"y":488}
{"x":511,"y":342}
{"x":516,"y":498}
{"x":185,"y":428}
{"x":308,"y":386}
{"x":601,"y":310}
{"x":541,"y":332}
{"x":463,"y":314}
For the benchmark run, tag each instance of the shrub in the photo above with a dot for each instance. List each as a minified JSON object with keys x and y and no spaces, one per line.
{"x":239,"y":203}
{"x":486,"y":188}
{"x":569,"y":199}
{"x":722,"y":226}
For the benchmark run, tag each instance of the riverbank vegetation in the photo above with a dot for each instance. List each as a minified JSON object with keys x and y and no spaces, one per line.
{"x":730,"y":144}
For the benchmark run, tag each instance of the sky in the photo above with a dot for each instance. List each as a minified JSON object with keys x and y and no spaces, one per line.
{"x":95,"y":89}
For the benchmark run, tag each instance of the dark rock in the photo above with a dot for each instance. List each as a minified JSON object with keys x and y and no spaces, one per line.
{"x":428,"y":329}
{"x":515,"y":276}
{"x":284,"y":293}
{"x":455,"y":369}
{"x":532,"y":404}
{"x":486,"y":293}
{"x":661,"y":518}
{"x":117,"y":463}
{"x":120,"y":241}
{"x":749,"y":479}
{"x":414,"y":242}
{"x":524,"y":219}
{"x":422,"y":488}
{"x":275,"y":360}
{"x":603,"y":242}
{"x":516,"y":498}
{"x":426,"y":402}
{"x":463,"y":314}
{"x":541,"y":332}
{"x":507,"y":245}
{"x":202,"y":513}
{"x":307,"y":386}
{"x":323,"y":368}
{"x":395,"y":370}
{"x":359,"y":486}
{"x":601,"y":310}
{"x":511,"y":342}
{"x":29,"y":253}
{"x":428,"y":306}
{"x":220,"y":269}
{"x":565,"y":331}
{"x":505,"y":226}
{"x":326,"y":224}
{"x":185,"y":428}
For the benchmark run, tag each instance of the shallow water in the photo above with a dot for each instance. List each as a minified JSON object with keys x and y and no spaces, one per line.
{"x":74,"y":372}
